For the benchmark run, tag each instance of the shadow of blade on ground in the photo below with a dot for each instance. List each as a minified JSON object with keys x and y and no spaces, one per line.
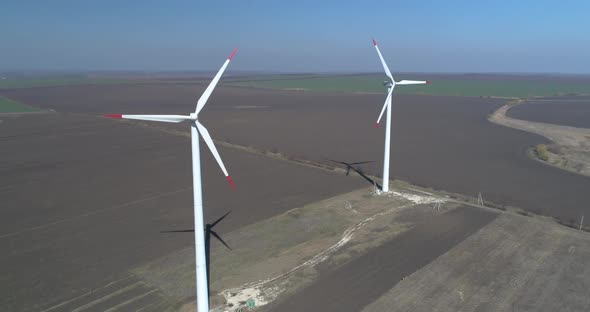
{"x":351,"y":166}
{"x":208,"y":232}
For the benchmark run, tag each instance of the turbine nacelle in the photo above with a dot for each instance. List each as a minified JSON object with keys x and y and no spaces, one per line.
{"x":390,"y":84}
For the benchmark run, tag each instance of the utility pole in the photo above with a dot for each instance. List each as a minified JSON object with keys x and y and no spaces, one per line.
{"x":480,"y":200}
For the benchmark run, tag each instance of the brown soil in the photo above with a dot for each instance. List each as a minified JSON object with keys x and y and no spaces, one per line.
{"x":85,"y":200}
{"x":441,"y":142}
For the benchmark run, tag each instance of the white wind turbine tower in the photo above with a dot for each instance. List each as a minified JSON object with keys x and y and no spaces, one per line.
{"x":196,"y":129}
{"x":390,"y":86}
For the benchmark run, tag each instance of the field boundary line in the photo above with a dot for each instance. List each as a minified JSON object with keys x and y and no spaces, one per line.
{"x":456,"y":197}
{"x":37,"y":112}
{"x":248,"y":149}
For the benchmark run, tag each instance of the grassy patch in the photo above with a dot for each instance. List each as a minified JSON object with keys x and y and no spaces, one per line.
{"x":274,"y":249}
{"x":20,"y":83}
{"x":451,"y":85}
{"x":540,"y":152}
{"x":9,"y":106}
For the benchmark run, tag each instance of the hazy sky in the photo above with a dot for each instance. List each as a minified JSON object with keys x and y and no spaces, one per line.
{"x":295,"y":36}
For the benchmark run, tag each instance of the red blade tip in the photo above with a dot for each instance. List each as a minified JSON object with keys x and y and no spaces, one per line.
{"x":376,"y":125}
{"x":374,"y":42}
{"x":427,"y":81}
{"x":230,"y":182}
{"x":232,"y":54}
{"x":113,"y":116}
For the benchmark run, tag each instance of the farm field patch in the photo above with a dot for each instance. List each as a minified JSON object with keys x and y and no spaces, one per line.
{"x":441,"y":142}
{"x":85,"y":200}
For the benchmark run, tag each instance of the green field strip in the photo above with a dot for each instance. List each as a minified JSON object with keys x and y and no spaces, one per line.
{"x":9,"y":106}
{"x":440,"y":86}
{"x":55,"y":82}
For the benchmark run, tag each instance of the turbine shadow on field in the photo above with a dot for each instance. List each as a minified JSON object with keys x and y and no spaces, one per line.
{"x":208,"y":232}
{"x":179,"y":231}
{"x":351,"y":166}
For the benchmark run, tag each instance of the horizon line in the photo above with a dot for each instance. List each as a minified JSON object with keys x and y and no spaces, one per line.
{"x":272,"y":72}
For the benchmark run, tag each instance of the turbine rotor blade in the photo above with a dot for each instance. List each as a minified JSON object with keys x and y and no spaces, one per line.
{"x":219,"y":238}
{"x":207,"y":138}
{"x":387,"y":101}
{"x":412,"y":82}
{"x":162,"y":118}
{"x":205,"y":96}
{"x":387,"y":72}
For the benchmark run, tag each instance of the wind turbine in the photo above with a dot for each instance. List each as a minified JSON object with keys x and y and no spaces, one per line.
{"x":387,"y":106}
{"x":196,"y":129}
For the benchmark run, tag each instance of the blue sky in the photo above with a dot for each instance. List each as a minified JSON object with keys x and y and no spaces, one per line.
{"x":297,"y":36}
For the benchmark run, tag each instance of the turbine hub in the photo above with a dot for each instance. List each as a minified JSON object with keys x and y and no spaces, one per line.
{"x":194,"y":116}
